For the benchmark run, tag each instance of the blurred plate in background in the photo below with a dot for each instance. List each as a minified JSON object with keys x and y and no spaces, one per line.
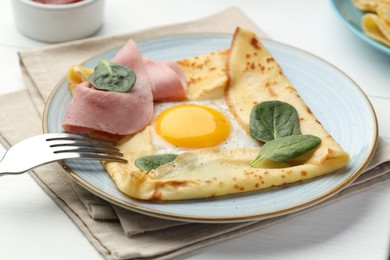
{"x":351,"y":17}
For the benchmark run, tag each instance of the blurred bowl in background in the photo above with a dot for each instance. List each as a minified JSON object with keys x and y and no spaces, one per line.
{"x":58,"y":22}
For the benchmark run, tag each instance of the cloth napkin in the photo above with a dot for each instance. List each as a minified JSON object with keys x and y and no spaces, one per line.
{"x":116,"y":232}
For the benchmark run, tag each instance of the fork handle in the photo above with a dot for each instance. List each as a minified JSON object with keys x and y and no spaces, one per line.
{"x":4,"y":172}
{"x":9,"y":173}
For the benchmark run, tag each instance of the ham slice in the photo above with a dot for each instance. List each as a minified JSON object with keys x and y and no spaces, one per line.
{"x":167,"y":80}
{"x":113,"y":112}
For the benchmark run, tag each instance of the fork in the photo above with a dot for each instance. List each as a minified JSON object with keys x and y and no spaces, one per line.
{"x":46,"y":148}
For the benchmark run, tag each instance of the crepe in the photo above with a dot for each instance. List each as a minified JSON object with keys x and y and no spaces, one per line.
{"x":365,"y":5}
{"x":376,"y":28}
{"x":206,"y":75}
{"x":253,"y":76}
{"x":377,"y":25}
{"x":76,"y":75}
{"x":375,"y":22}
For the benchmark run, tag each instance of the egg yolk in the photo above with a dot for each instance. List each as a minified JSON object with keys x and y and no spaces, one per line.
{"x":192,"y":126}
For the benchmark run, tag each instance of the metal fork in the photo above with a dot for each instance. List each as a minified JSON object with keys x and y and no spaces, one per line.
{"x":46,"y":148}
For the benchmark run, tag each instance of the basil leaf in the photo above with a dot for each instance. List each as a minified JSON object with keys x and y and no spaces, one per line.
{"x":112,"y":77}
{"x":286,"y":148}
{"x":150,"y":162}
{"x":270,"y":120}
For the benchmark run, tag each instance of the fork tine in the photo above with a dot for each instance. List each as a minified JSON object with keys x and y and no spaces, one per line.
{"x":99,"y":150}
{"x":69,"y":136}
{"x":75,"y":137}
{"x":99,"y":157}
{"x":102,"y":157}
{"x":85,"y":145}
{"x":65,"y":139}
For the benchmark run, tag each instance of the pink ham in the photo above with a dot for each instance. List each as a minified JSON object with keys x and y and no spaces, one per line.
{"x":173,"y":65}
{"x":167,"y":80}
{"x":113,"y":112}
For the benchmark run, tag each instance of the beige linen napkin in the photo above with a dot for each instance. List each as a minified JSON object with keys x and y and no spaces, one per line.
{"x":115,"y":232}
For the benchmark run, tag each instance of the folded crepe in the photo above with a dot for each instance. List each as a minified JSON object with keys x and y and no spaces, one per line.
{"x":376,"y":24}
{"x":365,"y":5}
{"x":253,"y":77}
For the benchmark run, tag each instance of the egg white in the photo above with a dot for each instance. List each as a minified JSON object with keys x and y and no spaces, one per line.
{"x":237,"y":139}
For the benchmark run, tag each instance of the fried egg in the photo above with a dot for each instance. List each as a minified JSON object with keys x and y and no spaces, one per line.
{"x":192,"y":125}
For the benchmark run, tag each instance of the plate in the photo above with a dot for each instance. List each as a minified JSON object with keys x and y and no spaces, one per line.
{"x":333,"y":97}
{"x":351,"y":17}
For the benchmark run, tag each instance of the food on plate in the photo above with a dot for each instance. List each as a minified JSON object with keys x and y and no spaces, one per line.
{"x":167,"y":80}
{"x":366,"y":5}
{"x":241,"y":127}
{"x":376,"y":28}
{"x":376,"y":22}
{"x":76,"y":75}
{"x":206,"y":75}
{"x":120,"y":112}
{"x":255,"y":77}
{"x":110,"y":111}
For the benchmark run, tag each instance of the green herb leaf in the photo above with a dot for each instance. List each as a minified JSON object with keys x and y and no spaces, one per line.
{"x":150,"y":162}
{"x":112,"y":77}
{"x":286,"y":148}
{"x":270,"y":120}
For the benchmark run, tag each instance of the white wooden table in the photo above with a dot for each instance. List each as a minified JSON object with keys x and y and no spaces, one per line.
{"x":33,"y":227}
